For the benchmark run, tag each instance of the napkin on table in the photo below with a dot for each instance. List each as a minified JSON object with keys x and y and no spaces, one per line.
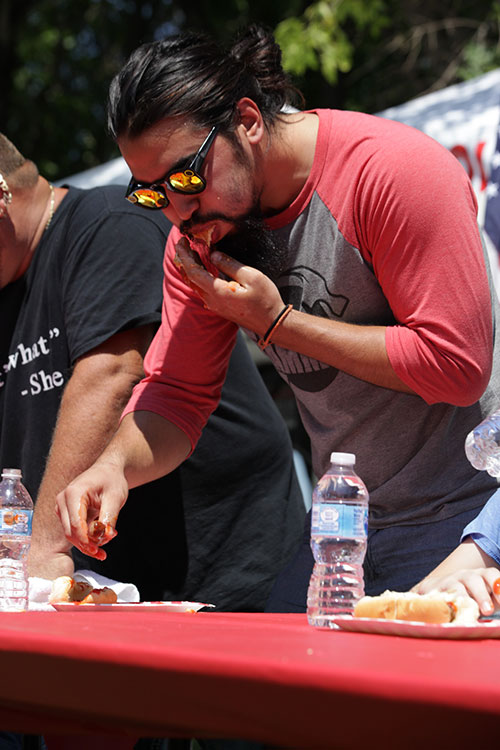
{"x":40,"y":588}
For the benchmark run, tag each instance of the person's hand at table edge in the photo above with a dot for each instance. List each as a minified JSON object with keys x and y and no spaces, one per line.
{"x":467,"y":570}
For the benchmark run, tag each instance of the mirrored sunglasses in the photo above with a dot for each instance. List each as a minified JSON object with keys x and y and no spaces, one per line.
{"x":187,"y":180}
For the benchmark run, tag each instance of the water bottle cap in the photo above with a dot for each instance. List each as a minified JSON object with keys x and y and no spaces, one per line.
{"x":16,"y":473}
{"x":343,"y":458}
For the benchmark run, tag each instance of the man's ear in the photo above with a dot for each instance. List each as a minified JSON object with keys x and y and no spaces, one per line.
{"x":251,"y":120}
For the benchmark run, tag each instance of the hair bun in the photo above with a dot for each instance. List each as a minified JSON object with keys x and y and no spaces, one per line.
{"x":257,"y":51}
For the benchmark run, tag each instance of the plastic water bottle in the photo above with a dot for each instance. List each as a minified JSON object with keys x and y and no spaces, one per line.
{"x":16,"y":511}
{"x":338,"y":540}
{"x":482,"y":445}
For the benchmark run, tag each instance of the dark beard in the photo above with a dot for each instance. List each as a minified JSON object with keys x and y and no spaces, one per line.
{"x":255,"y":245}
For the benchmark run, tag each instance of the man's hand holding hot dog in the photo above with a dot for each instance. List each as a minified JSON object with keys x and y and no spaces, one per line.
{"x":144,"y":448}
{"x":244,"y":295}
{"x":96,"y":496}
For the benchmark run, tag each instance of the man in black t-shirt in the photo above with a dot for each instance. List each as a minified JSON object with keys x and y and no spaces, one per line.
{"x":80,"y":300}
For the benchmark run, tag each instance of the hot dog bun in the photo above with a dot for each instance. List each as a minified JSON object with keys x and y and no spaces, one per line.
{"x":100,"y":596}
{"x":66,"y":589}
{"x":436,"y":607}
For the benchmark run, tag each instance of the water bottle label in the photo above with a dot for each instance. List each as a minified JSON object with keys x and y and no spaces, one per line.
{"x":339,"y":519}
{"x":15,"y":521}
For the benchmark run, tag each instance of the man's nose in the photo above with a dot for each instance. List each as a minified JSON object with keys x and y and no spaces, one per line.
{"x":181,"y":207}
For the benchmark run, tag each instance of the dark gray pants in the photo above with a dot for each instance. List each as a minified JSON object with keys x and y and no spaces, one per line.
{"x":397,"y":558}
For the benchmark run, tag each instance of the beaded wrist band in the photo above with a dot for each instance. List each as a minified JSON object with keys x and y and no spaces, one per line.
{"x":266,"y":338}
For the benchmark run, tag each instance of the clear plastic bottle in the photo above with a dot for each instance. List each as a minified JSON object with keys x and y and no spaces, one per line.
{"x":338,"y":541}
{"x":16,"y":511}
{"x":482,"y":445}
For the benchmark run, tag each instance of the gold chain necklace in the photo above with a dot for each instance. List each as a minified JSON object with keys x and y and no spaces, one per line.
{"x":51,"y":209}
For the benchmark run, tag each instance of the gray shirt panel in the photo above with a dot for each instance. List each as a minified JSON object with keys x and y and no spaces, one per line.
{"x":410,"y":454}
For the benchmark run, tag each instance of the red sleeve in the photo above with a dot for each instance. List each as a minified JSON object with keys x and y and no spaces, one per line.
{"x":418,"y":228}
{"x":186,"y":364}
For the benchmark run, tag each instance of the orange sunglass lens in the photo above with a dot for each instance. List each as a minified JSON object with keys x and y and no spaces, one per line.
{"x":149,"y":198}
{"x":186,"y":181}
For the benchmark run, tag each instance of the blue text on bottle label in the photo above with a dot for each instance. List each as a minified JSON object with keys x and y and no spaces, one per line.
{"x":338,"y":519}
{"x":15,"y":521}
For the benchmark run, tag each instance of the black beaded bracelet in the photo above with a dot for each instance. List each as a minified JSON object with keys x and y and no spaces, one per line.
{"x":266,"y":338}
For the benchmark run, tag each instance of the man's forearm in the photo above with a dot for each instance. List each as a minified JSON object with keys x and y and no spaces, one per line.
{"x":467,"y":556}
{"x":85,"y":425}
{"x":357,"y":350}
{"x":50,"y":553}
{"x":145,"y":447}
{"x":88,"y":416}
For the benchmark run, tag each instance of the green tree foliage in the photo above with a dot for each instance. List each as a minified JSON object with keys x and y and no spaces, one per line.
{"x":58,"y":56}
{"x":319,"y":40}
{"x":372,"y":54}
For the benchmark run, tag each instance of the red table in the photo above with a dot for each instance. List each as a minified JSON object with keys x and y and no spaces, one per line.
{"x":255,"y":676}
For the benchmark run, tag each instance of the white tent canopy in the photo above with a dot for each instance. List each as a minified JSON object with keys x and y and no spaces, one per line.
{"x":114,"y":172}
{"x":464,"y":118}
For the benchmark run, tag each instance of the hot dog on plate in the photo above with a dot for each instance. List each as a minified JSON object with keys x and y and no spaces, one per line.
{"x":436,"y":607}
{"x":66,"y":589}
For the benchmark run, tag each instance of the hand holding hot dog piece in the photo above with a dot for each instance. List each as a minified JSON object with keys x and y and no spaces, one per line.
{"x":245,"y":295}
{"x":88,"y":508}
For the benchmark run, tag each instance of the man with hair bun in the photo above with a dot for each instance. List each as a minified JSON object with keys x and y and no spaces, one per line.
{"x":347,"y":246}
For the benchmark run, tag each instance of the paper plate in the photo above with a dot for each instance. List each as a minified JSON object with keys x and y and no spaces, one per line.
{"x":132,"y":607}
{"x":482,"y":629}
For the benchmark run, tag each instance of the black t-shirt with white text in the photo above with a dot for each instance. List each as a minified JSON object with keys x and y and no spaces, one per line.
{"x":86,"y":281}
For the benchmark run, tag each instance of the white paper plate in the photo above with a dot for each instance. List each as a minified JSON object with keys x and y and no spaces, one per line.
{"x":132,"y":607}
{"x":483,"y":629}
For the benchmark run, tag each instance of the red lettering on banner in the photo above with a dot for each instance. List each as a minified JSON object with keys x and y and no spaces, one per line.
{"x":479,"y":155}
{"x":463,"y":156}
